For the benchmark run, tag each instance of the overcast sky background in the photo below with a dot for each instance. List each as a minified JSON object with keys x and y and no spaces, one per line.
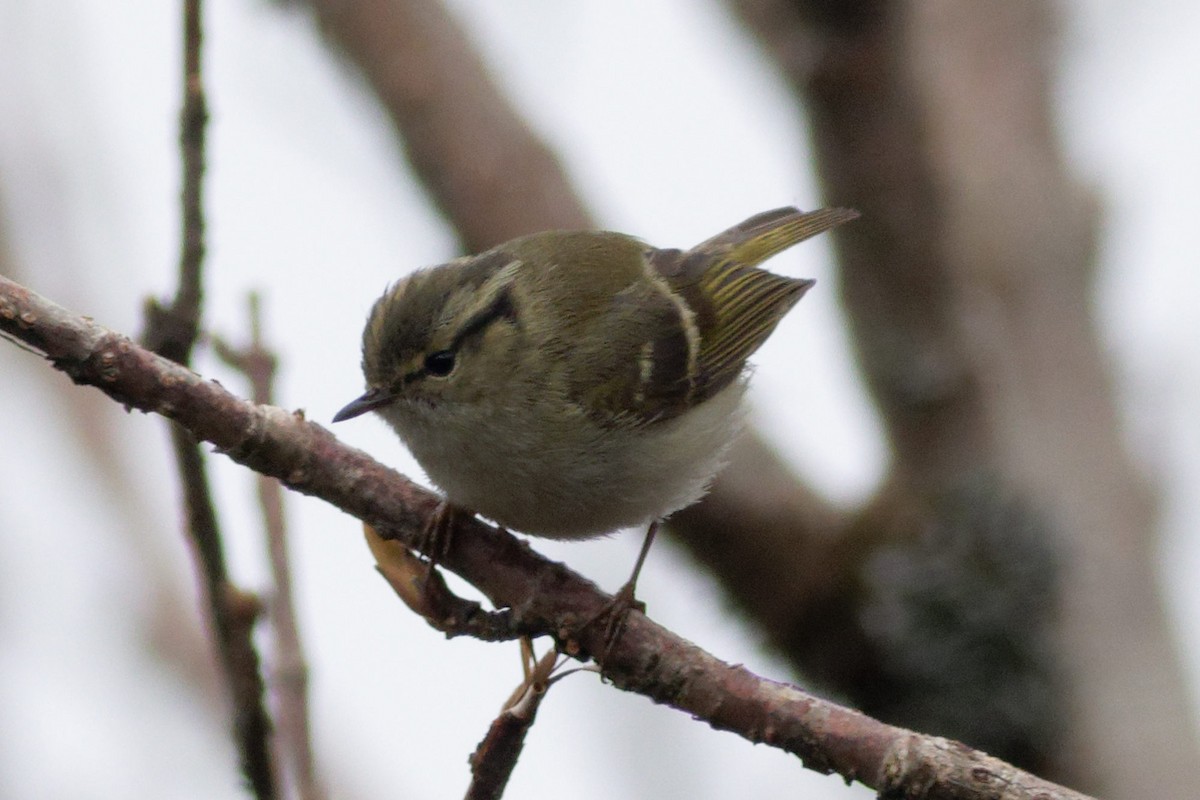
{"x":673,"y":127}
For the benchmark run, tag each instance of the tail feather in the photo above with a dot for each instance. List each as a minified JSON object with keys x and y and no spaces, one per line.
{"x":737,"y":304}
{"x":756,"y":239}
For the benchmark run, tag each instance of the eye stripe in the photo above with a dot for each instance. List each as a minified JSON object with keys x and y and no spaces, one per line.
{"x":409,"y":377}
{"x":500,"y":308}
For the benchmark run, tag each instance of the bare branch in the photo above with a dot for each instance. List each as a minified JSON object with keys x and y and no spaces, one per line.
{"x":424,"y":591}
{"x":496,"y":756}
{"x":289,"y":676}
{"x":543,"y":594}
{"x":171,"y":331}
{"x":173,"y":328}
{"x":969,"y":290}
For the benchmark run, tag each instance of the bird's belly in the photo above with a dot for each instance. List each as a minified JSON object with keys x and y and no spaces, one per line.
{"x":576,"y":480}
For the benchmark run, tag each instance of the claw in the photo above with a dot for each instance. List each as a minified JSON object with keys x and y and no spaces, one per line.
{"x":437,"y":533}
{"x":625,"y":600}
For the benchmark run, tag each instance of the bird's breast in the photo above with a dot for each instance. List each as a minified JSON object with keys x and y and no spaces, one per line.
{"x":557,"y":473}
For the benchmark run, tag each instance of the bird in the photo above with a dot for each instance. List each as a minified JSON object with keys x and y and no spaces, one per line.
{"x":568,"y":384}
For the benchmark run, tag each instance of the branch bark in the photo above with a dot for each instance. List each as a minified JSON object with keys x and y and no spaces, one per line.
{"x":920,"y":120}
{"x":289,"y":675}
{"x":172,"y":330}
{"x":968,"y":287}
{"x":547,"y":596}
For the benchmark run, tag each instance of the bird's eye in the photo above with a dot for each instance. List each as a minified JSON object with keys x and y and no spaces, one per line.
{"x":440,"y":364}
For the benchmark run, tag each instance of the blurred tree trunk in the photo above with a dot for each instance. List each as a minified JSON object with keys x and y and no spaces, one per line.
{"x":968,"y":285}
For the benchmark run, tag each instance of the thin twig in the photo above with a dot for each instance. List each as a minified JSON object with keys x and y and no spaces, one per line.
{"x":289,"y":678}
{"x":171,"y":331}
{"x":496,"y":756}
{"x":545,"y":595}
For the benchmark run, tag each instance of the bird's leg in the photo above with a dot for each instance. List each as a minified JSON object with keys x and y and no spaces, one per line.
{"x":625,"y":600}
